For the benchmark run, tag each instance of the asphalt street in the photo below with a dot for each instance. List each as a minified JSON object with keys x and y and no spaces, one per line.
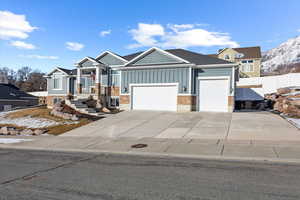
{"x":59,"y":175}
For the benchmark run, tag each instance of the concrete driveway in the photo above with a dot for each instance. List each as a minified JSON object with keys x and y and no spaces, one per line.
{"x":238,"y":126}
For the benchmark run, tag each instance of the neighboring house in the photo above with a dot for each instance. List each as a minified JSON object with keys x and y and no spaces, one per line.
{"x":41,"y":95}
{"x":156,"y":79}
{"x":11,"y":97}
{"x":249,"y":59}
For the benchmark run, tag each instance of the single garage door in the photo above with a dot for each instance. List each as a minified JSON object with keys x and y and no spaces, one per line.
{"x":213,"y":95}
{"x":154,"y":97}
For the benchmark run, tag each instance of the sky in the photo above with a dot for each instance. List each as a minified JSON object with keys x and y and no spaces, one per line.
{"x":50,"y":33}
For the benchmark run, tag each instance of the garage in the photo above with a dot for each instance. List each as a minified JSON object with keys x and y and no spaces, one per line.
{"x":213,"y":94}
{"x":154,"y":97}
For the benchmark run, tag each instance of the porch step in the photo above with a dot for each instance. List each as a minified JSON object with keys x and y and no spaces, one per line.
{"x":80,"y":106}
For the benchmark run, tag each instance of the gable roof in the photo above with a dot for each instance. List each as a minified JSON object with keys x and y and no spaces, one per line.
{"x":65,"y":71}
{"x":111,"y":53}
{"x":11,"y":92}
{"x":192,"y":57}
{"x":90,"y":59}
{"x":248,"y":52}
{"x":149,"y":51}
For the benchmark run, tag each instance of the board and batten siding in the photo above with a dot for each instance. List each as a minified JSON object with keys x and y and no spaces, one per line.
{"x":206,"y":72}
{"x":87,"y":63}
{"x":50,"y":83}
{"x":162,"y":75}
{"x":110,"y":60}
{"x":156,"y":58}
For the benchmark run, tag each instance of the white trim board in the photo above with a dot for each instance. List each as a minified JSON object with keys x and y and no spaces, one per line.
{"x":111,"y":53}
{"x":155,"y":49}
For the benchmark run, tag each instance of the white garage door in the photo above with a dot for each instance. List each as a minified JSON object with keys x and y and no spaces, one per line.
{"x":155,"y":97}
{"x":213,"y":95}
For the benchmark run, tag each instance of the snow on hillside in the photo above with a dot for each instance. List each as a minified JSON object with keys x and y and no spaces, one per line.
{"x":287,"y":53}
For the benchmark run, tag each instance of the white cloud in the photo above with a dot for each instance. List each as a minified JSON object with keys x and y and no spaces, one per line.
{"x":105,"y":32}
{"x":40,"y":57}
{"x":74,"y":46}
{"x":14,"y":26}
{"x":298,"y":30}
{"x":178,"y":36}
{"x":145,"y":35}
{"x":22,"y":45}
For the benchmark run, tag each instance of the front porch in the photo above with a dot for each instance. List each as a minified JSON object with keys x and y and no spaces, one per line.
{"x":89,"y":79}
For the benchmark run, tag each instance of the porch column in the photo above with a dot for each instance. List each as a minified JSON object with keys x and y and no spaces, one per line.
{"x":98,"y":83}
{"x":78,"y":79}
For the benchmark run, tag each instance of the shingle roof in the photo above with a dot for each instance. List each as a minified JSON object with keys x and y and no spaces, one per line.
{"x":132,"y":56}
{"x":68,"y":71}
{"x":249,"y":52}
{"x":193,"y":57}
{"x":197,"y":58}
{"x":11,"y":92}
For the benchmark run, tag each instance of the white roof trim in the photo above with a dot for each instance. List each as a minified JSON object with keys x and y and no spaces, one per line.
{"x":57,"y":68}
{"x":86,"y":58}
{"x":156,"y":49}
{"x":157,"y":66}
{"x":111,"y":53}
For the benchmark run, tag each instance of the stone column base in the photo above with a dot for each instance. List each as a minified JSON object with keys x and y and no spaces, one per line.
{"x":231,"y":102}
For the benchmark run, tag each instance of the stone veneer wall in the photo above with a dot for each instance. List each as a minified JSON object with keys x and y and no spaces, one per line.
{"x":49,"y":100}
{"x":231,"y":101}
{"x":184,"y":103}
{"x":113,"y":91}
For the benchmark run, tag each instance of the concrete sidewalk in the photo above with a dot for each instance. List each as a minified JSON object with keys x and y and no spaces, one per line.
{"x":208,"y":148}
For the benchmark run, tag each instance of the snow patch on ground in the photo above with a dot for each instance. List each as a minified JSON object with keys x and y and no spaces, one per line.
{"x":12,"y":140}
{"x":30,"y":122}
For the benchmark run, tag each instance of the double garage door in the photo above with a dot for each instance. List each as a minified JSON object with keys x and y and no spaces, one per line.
{"x":213,"y":96}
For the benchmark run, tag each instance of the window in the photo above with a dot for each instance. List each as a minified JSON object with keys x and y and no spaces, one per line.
{"x":114,"y":102}
{"x":56,"y":83}
{"x":82,"y":82}
{"x":56,"y":100}
{"x":226,"y":57}
{"x":247,"y":66}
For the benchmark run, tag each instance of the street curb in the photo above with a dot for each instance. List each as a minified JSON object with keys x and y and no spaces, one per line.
{"x":164,"y":155}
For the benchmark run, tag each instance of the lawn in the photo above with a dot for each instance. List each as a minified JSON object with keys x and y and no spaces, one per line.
{"x":42,"y":113}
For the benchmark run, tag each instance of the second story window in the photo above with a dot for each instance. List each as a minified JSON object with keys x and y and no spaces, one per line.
{"x":227,"y":57}
{"x":247,"y":66}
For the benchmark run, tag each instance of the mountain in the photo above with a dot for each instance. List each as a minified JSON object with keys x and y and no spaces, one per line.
{"x":283,"y":59}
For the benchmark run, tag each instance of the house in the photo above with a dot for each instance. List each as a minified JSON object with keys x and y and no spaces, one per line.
{"x":249,"y":59}
{"x":156,"y":79}
{"x":11,"y":97}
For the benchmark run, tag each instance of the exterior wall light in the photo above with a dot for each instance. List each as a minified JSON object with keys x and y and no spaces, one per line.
{"x":184,"y":89}
{"x":125,"y":89}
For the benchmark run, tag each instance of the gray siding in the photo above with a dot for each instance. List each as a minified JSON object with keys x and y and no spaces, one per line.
{"x":155,"y":58}
{"x":111,"y":60}
{"x":104,"y":78}
{"x":226,"y":71}
{"x":87,"y":63}
{"x":170,"y":75}
{"x":115,"y":79}
{"x":64,"y":88}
